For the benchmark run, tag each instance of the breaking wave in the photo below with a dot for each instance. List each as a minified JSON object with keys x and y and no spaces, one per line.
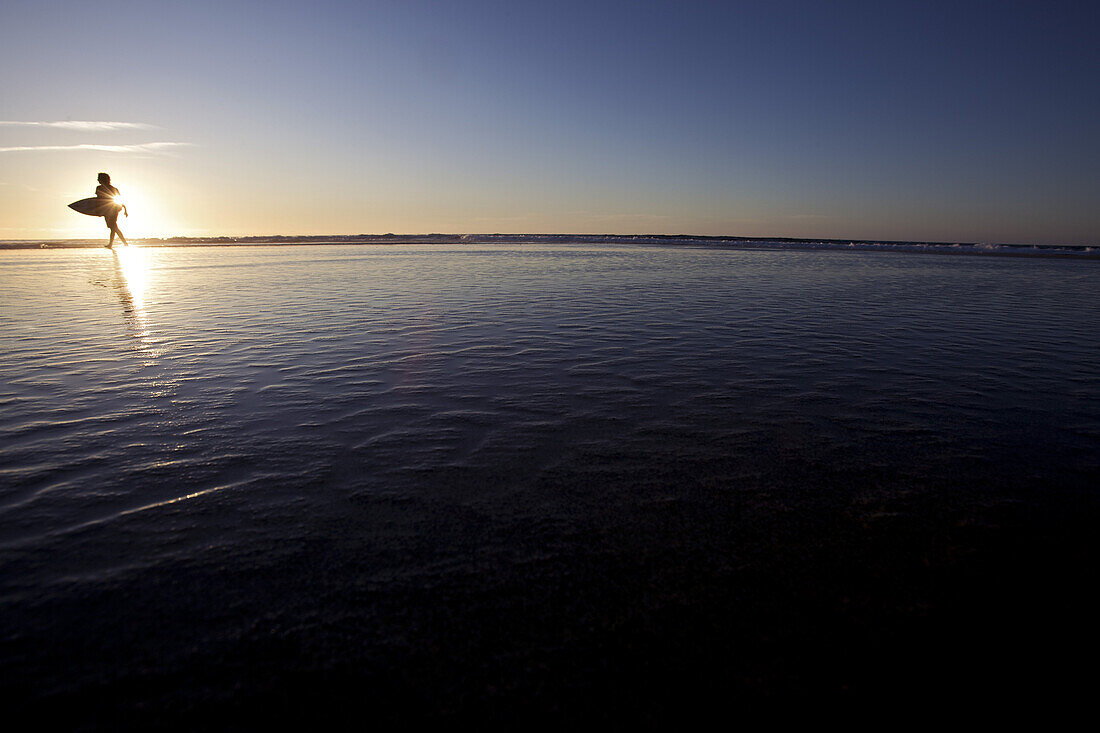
{"x":740,"y":243}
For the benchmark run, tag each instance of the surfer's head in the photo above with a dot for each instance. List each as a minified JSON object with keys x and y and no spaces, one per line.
{"x":105,"y":179}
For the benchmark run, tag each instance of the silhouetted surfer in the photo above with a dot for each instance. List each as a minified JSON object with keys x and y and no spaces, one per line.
{"x":105,"y":203}
{"x":111,"y":208}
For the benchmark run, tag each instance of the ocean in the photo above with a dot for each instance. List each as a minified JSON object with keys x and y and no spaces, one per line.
{"x":559,"y":482}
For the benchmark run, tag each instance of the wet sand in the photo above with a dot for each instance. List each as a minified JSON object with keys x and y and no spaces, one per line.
{"x":543,"y":486}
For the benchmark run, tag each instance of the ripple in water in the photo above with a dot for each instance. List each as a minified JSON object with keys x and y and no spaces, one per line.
{"x":362,"y":464}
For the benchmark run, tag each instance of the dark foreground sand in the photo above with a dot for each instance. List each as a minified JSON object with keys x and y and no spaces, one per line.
{"x":947,"y":606}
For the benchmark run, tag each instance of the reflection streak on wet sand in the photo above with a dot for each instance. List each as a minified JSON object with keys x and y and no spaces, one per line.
{"x":130,"y":279}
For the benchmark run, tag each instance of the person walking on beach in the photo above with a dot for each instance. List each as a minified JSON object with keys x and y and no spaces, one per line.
{"x":110,"y":208}
{"x":105,"y":203}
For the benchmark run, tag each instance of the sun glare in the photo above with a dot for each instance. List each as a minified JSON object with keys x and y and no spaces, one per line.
{"x":147,"y":217}
{"x":153,"y":213}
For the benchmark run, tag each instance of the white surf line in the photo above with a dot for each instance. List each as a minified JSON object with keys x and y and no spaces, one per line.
{"x":103,"y":520}
{"x":166,"y":502}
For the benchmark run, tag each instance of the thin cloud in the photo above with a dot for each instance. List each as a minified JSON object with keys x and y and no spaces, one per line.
{"x":82,"y":125}
{"x":20,"y":185}
{"x":139,"y":148}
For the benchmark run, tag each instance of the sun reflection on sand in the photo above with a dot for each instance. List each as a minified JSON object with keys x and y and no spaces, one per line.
{"x":132,"y":266}
{"x":132,"y":282}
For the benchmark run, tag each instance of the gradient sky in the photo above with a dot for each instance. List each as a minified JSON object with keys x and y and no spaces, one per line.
{"x":950,"y":121}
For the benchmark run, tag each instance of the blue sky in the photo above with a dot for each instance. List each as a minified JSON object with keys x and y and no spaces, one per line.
{"x":946,"y":121}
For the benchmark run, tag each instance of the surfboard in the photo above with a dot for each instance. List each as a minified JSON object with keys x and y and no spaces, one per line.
{"x":94,"y":206}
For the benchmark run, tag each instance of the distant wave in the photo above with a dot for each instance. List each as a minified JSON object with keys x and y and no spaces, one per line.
{"x":742,"y":243}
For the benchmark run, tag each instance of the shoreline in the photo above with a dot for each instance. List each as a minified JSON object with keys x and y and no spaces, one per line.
{"x":732,"y":243}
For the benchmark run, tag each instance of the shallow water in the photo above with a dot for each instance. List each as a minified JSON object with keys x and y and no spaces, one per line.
{"x":376,"y":462}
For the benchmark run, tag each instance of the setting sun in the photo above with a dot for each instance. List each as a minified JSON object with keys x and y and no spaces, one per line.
{"x":147,"y":217}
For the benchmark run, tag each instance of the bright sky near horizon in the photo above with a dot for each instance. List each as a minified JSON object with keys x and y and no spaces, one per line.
{"x":948,"y":121}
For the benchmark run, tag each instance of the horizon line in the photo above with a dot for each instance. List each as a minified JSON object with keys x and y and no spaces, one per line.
{"x":560,"y":236}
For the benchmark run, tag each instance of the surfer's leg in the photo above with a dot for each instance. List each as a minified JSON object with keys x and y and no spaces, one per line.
{"x":112,"y":224}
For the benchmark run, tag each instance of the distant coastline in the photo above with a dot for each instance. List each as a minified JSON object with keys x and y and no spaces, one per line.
{"x":740,"y":243}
